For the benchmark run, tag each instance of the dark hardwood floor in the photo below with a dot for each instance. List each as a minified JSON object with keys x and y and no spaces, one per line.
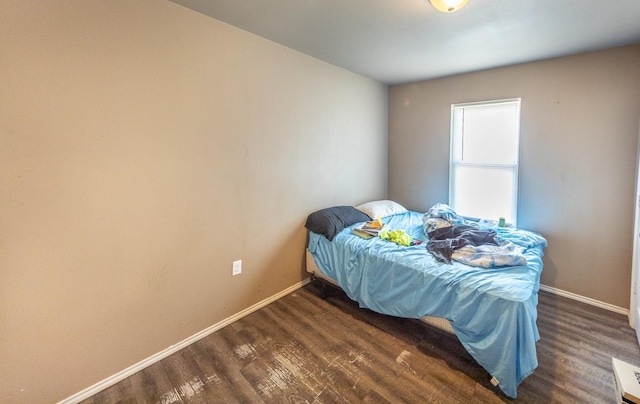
{"x":302,"y":349}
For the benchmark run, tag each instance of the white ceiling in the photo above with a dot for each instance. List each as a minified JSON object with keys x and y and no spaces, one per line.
{"x":399,"y":41}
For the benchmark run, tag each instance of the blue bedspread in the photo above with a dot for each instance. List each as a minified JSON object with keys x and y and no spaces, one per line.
{"x":492,"y":311}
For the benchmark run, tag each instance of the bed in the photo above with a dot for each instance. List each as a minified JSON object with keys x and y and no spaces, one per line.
{"x":492,"y":310}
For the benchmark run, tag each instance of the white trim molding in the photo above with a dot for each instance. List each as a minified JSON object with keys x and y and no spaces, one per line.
{"x":118,"y":377}
{"x":586,"y":300}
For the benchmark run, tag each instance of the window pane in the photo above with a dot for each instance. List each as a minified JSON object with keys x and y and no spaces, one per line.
{"x":484,"y":192}
{"x":486,"y":134}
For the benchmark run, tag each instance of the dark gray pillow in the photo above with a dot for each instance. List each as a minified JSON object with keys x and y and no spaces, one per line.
{"x":331,"y":221}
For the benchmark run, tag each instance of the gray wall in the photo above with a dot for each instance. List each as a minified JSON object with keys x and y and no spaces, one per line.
{"x":143,"y":148}
{"x":579,"y":135}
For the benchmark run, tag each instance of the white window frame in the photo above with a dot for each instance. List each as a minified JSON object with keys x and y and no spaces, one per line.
{"x":514,"y":168}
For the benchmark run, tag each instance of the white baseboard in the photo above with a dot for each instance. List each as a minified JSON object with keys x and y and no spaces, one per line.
{"x":586,"y":300}
{"x":111,"y":380}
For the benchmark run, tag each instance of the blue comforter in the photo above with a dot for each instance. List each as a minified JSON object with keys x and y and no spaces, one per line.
{"x":492,"y":311}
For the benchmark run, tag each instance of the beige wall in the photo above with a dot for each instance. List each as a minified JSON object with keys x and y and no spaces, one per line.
{"x":579,"y":134}
{"x":143,"y":148}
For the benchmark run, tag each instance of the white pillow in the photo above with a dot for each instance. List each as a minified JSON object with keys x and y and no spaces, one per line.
{"x":381,"y":208}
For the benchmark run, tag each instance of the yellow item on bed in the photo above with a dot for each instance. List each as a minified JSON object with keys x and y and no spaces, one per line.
{"x":399,"y":237}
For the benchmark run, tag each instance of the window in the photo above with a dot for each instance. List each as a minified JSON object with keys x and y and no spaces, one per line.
{"x":483,"y":170}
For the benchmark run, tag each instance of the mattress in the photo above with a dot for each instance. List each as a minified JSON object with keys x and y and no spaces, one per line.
{"x":491,"y":310}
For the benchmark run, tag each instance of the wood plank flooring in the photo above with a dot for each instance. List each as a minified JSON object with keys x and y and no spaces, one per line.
{"x":303,"y":349}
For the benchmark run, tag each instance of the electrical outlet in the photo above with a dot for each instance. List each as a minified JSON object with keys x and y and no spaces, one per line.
{"x":237,"y":268}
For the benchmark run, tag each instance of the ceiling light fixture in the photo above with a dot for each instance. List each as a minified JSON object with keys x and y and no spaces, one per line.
{"x":448,"y":6}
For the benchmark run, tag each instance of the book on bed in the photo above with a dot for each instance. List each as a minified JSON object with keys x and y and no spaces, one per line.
{"x":369,"y":229}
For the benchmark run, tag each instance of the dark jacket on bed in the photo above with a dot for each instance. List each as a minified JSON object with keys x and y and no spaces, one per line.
{"x":445,"y":240}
